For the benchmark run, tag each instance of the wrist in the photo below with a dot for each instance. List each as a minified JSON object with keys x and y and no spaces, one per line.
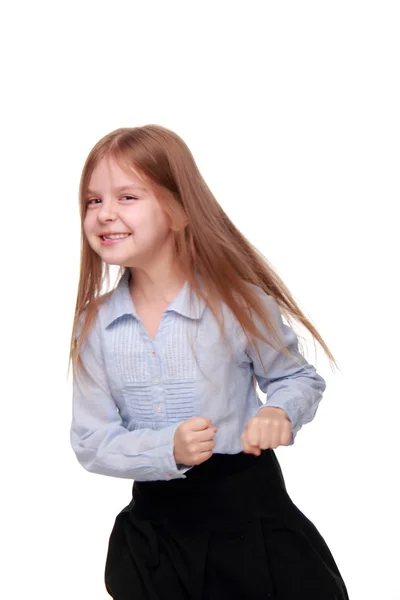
{"x":177,"y":458}
{"x":271,"y":409}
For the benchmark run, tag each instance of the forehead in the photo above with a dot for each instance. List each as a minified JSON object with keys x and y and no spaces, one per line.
{"x":115,"y":174}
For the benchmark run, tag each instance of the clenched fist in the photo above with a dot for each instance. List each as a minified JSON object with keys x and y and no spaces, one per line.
{"x":270,"y":428}
{"x":194,"y":441}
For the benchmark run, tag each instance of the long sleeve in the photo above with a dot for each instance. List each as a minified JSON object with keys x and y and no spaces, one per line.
{"x":295,"y":387}
{"x":101,"y":443}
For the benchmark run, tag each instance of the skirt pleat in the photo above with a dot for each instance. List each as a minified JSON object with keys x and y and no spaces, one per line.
{"x":229,"y":531}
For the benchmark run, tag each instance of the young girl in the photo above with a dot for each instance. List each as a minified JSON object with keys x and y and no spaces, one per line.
{"x":164,"y":389}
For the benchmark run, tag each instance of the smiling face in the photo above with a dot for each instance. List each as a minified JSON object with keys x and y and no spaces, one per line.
{"x":124,"y":222}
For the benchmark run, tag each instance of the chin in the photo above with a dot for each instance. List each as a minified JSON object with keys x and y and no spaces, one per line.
{"x":127,"y":261}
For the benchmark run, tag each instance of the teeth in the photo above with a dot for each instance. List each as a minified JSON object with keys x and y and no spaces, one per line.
{"x":117,"y":236}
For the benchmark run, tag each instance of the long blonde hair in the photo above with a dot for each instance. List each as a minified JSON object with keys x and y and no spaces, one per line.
{"x":209,"y":244}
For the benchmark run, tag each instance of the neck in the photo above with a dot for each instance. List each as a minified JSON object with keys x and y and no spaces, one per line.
{"x":156,"y":283}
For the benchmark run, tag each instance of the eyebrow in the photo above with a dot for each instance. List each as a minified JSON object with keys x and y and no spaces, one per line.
{"x":122,"y":188}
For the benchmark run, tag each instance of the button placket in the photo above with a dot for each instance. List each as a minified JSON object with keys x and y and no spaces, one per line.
{"x":158,"y":405}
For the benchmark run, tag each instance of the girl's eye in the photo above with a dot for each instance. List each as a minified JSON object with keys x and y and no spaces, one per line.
{"x":94,"y":201}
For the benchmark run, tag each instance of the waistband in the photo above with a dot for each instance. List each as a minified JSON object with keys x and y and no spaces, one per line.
{"x":227,"y":487}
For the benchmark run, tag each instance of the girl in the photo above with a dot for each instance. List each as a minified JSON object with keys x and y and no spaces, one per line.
{"x":164,"y":389}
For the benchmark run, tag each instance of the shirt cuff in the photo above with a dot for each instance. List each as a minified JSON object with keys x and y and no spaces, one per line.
{"x":169,"y":468}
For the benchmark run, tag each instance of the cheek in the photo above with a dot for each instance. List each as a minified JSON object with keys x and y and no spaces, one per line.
{"x":154,"y":225}
{"x":88,"y":226}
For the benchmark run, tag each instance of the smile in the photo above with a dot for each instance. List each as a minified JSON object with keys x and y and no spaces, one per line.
{"x":115,"y":238}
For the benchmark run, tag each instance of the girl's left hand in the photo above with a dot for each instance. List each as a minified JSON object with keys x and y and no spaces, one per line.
{"x":270,"y":428}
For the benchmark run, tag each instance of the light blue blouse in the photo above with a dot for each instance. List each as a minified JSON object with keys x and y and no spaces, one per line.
{"x":139,"y":390}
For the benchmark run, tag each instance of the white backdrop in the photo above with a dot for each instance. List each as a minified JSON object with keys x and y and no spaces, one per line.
{"x":291,"y":110}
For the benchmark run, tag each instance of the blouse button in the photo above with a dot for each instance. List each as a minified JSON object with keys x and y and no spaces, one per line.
{"x":157,"y":380}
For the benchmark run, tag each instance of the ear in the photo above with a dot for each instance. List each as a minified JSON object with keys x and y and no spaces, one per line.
{"x":183,"y":222}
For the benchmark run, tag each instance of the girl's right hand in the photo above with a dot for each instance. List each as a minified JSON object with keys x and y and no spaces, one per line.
{"x":194,"y":441}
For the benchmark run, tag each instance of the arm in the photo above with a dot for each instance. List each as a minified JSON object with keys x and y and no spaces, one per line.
{"x":293,"y":386}
{"x":101,"y":443}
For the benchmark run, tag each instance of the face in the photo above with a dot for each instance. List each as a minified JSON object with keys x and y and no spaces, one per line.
{"x":124,"y":223}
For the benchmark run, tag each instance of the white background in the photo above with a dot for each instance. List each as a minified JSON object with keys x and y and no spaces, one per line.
{"x":291,"y":110}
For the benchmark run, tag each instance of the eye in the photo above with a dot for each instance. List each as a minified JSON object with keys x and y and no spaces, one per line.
{"x":94,"y":201}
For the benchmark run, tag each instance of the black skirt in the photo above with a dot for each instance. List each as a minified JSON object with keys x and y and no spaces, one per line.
{"x":229,"y":531}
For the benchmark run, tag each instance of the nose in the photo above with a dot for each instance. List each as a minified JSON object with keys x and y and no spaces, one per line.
{"x":106,"y":212}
